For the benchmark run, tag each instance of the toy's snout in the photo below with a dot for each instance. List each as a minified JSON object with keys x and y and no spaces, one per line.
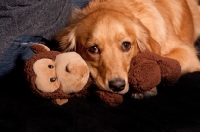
{"x":72,"y":72}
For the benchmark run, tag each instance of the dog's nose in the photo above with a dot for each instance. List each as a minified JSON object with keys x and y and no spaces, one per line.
{"x":117,"y":84}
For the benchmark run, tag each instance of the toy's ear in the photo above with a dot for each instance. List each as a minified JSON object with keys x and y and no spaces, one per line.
{"x":38,"y":48}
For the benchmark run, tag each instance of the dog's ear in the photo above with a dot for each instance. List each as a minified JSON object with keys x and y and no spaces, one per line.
{"x":148,"y":44}
{"x":66,"y":39}
{"x":145,"y":41}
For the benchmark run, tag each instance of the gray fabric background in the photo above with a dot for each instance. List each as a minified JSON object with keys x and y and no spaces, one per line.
{"x":33,"y":17}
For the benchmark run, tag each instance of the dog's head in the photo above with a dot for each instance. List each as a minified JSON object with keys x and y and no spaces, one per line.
{"x":107,"y":40}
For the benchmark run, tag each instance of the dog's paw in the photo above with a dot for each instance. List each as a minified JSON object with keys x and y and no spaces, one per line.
{"x":146,"y":94}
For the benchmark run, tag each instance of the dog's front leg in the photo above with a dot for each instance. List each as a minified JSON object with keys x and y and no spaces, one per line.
{"x":187,"y":57}
{"x":145,"y":94}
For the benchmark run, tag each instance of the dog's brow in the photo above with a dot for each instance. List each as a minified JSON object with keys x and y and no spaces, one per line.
{"x":120,"y":36}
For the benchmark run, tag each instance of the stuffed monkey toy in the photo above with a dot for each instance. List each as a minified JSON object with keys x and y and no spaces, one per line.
{"x":59,"y":76}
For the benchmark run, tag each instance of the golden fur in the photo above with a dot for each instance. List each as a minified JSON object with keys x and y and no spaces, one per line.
{"x":108,"y":33}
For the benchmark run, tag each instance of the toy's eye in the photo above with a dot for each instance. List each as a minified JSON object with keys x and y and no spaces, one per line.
{"x":51,"y":66}
{"x":126,"y":46}
{"x":53,"y":79}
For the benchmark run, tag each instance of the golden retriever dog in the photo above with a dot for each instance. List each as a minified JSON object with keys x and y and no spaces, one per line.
{"x":109,"y":33}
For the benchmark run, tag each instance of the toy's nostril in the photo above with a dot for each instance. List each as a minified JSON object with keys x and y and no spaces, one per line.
{"x":67,"y":69}
{"x":53,"y":79}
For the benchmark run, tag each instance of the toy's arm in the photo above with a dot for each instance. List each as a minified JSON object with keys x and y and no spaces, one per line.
{"x":144,"y":75}
{"x":149,"y":69}
{"x":170,"y":68}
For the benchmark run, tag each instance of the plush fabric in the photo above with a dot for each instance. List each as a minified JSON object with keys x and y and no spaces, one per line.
{"x":148,"y":69}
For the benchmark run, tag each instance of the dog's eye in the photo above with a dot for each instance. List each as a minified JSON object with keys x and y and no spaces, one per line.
{"x":126,"y":46}
{"x":94,"y":49}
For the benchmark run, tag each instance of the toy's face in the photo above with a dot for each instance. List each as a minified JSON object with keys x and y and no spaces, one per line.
{"x":46,"y":79}
{"x":68,"y":72}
